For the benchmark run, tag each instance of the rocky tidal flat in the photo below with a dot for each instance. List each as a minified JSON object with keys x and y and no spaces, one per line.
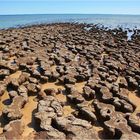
{"x":69,"y":81}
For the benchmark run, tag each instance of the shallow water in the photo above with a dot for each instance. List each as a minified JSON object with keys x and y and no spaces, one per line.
{"x":112,"y":21}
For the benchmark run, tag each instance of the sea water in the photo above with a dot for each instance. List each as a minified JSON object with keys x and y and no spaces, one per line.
{"x":111,"y":21}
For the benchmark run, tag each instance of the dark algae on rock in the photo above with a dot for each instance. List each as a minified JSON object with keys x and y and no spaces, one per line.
{"x":61,"y":81}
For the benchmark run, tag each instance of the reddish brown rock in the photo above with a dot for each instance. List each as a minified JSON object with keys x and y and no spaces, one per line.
{"x":75,"y":128}
{"x":13,"y":111}
{"x":115,"y":123}
{"x":13,"y":130}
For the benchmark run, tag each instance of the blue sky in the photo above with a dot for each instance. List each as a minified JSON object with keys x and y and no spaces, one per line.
{"x":69,"y":6}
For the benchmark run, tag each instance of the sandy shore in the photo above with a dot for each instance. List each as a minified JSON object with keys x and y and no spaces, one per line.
{"x":69,"y":81}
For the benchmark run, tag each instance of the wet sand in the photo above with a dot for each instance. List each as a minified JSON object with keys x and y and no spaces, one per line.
{"x":134,"y":99}
{"x":28,"y":119}
{"x":3,"y":98}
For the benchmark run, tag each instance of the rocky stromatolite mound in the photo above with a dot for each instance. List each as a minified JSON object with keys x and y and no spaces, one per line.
{"x":62,"y":81}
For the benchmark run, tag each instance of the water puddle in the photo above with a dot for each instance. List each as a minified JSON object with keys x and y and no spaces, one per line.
{"x":129,"y":35}
{"x":87,"y":28}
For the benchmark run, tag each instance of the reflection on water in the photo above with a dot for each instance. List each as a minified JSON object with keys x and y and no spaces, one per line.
{"x":129,"y":35}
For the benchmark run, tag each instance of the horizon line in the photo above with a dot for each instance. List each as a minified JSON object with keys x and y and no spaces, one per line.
{"x":121,"y":14}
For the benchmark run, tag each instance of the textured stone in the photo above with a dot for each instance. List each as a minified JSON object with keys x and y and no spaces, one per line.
{"x":75,"y":128}
{"x":13,"y":111}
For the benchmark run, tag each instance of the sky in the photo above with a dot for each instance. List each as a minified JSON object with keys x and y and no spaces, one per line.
{"x":69,"y":7}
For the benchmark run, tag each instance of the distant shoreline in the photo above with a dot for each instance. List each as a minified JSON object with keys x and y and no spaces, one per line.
{"x":129,"y":33}
{"x":98,"y":25}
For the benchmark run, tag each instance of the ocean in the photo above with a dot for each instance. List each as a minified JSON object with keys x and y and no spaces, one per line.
{"x":111,"y":21}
